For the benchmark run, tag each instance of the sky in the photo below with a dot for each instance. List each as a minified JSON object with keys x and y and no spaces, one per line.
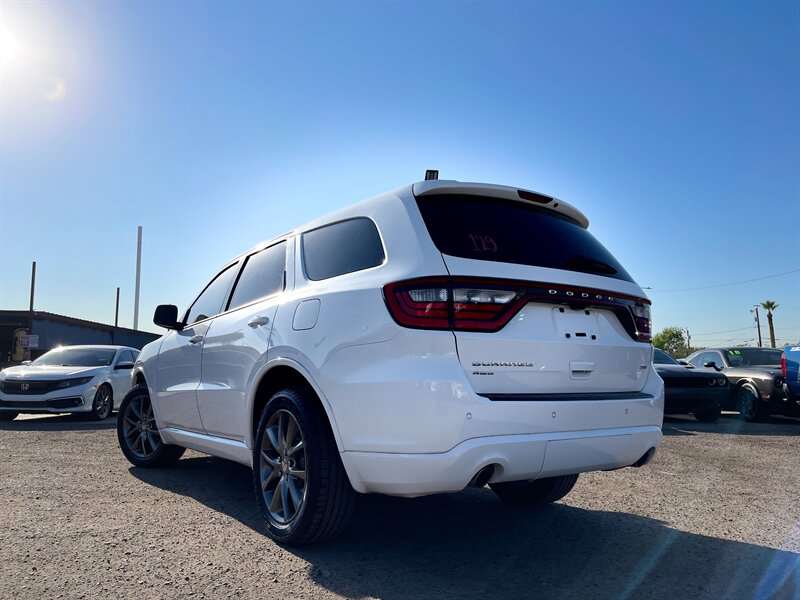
{"x":675,"y":127}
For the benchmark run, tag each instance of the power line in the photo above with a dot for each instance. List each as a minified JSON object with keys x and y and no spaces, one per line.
{"x":781,"y":329}
{"x":708,"y":287}
{"x":726,"y":331}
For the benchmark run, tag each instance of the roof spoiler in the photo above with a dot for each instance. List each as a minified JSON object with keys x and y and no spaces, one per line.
{"x":433,"y":186}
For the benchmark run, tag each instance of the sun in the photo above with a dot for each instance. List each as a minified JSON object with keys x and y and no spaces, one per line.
{"x":9,"y":48}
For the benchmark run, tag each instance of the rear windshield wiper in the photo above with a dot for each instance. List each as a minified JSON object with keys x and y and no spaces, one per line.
{"x":589,"y":265}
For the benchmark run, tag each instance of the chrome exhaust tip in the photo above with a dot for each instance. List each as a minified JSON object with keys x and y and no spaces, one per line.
{"x":483,"y":476}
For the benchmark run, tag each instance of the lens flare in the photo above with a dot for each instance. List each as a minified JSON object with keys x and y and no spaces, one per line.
{"x":9,"y":48}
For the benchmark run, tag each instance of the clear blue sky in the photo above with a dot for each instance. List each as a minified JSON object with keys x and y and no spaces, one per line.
{"x":674,"y":126}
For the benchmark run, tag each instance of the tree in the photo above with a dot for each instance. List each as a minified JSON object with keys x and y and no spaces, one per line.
{"x":769,"y":306}
{"x":672,"y":341}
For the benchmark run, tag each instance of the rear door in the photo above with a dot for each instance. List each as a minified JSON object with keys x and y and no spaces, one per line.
{"x":569,"y":305}
{"x":238,"y":340}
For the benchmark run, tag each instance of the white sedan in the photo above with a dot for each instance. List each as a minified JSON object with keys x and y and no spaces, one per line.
{"x":69,"y":379}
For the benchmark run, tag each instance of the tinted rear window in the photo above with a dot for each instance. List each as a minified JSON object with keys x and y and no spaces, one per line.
{"x":501,"y":230}
{"x":341,"y":248}
{"x":750,"y":357}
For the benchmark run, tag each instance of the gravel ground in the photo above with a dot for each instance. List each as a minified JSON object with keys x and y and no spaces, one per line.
{"x":715,"y":515}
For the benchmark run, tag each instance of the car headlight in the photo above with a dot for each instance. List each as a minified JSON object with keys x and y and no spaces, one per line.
{"x":722,"y":381}
{"x":68,"y":383}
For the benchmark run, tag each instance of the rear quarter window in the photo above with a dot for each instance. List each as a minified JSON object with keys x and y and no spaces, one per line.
{"x":343,"y":247}
{"x":499,"y":230}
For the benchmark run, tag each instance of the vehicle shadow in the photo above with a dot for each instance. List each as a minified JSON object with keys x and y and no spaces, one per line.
{"x":731,"y":423}
{"x":63,"y":422}
{"x":471,"y":545}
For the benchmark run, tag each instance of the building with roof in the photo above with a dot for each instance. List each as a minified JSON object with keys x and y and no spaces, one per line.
{"x":25,"y":335}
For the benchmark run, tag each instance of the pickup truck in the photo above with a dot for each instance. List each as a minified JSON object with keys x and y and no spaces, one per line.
{"x":790,"y":365}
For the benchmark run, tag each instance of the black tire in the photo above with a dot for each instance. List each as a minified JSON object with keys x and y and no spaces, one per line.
{"x":535,"y":492}
{"x":708,"y":416}
{"x":8,"y":416}
{"x":103,"y":403}
{"x":749,"y":403}
{"x":299,"y":441}
{"x":138,"y":435}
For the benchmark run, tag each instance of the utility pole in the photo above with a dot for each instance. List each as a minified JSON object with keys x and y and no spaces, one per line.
{"x":116,"y":321}
{"x":688,"y":341}
{"x":138,"y":278}
{"x":758,"y":324}
{"x":116,"y":312}
{"x":33,"y":285}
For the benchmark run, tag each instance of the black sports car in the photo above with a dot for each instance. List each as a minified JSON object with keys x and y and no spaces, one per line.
{"x":756,"y":389}
{"x":690,"y":390}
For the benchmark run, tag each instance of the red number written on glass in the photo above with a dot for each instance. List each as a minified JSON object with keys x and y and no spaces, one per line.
{"x":482,"y":243}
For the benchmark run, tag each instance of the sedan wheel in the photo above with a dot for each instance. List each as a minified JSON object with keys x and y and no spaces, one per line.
{"x":103,"y":403}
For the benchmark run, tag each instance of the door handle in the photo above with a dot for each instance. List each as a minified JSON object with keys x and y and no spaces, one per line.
{"x":258,"y":321}
{"x":195,"y":339}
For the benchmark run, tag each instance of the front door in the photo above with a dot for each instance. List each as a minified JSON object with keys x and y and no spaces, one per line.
{"x":179,"y":377}
{"x":179,"y":361}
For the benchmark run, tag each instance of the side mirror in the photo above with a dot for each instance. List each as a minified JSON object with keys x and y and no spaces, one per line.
{"x":120,"y":366}
{"x":712,"y":365}
{"x":683,"y":362}
{"x":166,"y":315}
{"x":25,"y":363}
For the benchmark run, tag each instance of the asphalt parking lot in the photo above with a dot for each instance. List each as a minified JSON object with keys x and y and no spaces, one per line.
{"x":717,"y":514}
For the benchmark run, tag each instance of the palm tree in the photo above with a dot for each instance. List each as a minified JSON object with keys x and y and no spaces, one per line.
{"x":769,"y":306}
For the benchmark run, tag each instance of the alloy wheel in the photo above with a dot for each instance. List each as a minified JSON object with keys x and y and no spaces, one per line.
{"x":747,"y":403}
{"x":102,"y":402}
{"x":283,"y":468}
{"x":140,"y":429}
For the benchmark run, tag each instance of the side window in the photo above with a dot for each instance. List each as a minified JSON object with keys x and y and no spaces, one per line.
{"x":209,"y":302}
{"x":262,"y":276}
{"x":736,"y":360}
{"x":125,"y":356}
{"x":708,"y":357}
{"x":341,"y":248}
{"x":698,"y":360}
{"x":134,"y":355}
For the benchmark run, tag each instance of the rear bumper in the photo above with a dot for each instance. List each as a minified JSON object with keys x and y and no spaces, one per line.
{"x":514,"y":457}
{"x":790,"y":394}
{"x":411,"y":396}
{"x":790,"y":403}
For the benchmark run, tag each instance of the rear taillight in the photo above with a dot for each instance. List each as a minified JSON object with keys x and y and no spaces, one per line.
{"x":481,"y":309}
{"x":641,"y":318}
{"x":421,"y":304}
{"x":478,"y":304}
{"x":450,"y":304}
{"x":783,"y":365}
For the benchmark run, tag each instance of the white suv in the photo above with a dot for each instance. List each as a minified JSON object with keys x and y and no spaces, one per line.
{"x":442,"y":334}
